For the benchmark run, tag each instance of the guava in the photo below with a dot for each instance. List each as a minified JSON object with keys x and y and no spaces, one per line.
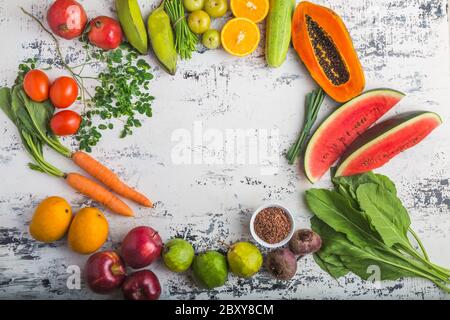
{"x":210,"y":269}
{"x":178,"y":255}
{"x":244,"y":259}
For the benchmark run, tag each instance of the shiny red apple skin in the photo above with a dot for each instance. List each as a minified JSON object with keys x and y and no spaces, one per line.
{"x":141,"y":285}
{"x":141,"y":247}
{"x":105,"y":271}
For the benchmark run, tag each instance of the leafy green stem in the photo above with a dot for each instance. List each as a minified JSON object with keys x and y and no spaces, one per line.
{"x":313,"y":103}
{"x":441,"y":271}
{"x":422,"y":248}
{"x":35,"y":150}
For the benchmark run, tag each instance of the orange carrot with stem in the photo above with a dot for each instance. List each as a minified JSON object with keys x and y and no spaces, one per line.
{"x":108,"y":178}
{"x":98,"y":193}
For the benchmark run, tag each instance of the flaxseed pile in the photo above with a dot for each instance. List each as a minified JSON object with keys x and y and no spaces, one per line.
{"x":272,"y":225}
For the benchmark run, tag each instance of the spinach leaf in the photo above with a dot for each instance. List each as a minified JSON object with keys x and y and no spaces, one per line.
{"x":326,"y":259}
{"x":348,"y":185}
{"x":386,"y":183}
{"x":364,"y":226}
{"x":359,"y":260}
{"x":6,"y":104}
{"x":40,"y":114}
{"x":24,"y":121}
{"x":386,"y":213}
{"x":336,"y":211}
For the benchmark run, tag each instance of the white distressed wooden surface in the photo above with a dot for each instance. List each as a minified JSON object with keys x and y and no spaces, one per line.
{"x":403,"y":44}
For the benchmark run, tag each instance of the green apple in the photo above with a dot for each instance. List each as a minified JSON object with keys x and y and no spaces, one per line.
{"x":211,"y":39}
{"x":216,"y":8}
{"x":199,"y":21}
{"x":193,"y":5}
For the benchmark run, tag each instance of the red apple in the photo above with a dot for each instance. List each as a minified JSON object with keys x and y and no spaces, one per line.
{"x":141,"y":285}
{"x":67,"y":18}
{"x":105,"y":33}
{"x":141,"y":246}
{"x":105,"y":271}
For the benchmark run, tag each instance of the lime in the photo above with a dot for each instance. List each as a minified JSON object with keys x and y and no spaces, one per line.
{"x":178,"y":255}
{"x":210,"y":269}
{"x":244,"y":259}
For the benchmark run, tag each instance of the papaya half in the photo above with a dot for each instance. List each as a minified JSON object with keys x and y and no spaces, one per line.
{"x":323,"y":43}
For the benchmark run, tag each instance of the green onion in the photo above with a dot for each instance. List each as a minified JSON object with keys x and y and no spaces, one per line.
{"x":185,"y":39}
{"x":313,"y":102}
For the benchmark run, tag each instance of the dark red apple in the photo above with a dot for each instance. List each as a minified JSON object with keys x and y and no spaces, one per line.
{"x":105,"y":271}
{"x":141,"y":285}
{"x":141,"y":246}
{"x":105,"y":33}
{"x":67,"y":18}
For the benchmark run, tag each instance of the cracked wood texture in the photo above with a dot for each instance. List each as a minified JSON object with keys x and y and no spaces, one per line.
{"x":403,"y":44}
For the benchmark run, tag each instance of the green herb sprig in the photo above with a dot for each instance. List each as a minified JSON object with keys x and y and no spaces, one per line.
{"x":313,"y":103}
{"x":363,"y":223}
{"x":122,"y":93}
{"x":185,"y":40}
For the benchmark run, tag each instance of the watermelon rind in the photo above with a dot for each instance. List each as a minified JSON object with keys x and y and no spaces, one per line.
{"x":370,"y":94}
{"x":381,"y":132}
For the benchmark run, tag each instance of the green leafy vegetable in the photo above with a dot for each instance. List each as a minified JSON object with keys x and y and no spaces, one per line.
{"x":122,"y":94}
{"x":336,"y":211}
{"x":313,"y":103}
{"x":13,"y":104}
{"x":385,"y":213}
{"x":40,"y":114}
{"x":185,"y":39}
{"x":363,"y":224}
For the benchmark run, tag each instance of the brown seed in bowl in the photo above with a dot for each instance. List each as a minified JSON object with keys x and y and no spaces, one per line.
{"x":272,"y":225}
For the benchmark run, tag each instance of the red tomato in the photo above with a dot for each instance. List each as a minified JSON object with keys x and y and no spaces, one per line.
{"x":36,"y":85}
{"x":63,"y":92}
{"x":105,"y":33}
{"x":65,"y":123}
{"x":67,"y":18}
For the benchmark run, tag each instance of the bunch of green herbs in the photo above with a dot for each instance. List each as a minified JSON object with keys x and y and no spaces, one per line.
{"x":121,"y":93}
{"x":185,"y":40}
{"x":363,"y":224}
{"x":313,"y":103}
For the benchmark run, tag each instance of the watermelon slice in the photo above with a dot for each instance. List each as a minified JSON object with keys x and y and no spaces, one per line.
{"x":384,"y":141}
{"x":343,"y":126}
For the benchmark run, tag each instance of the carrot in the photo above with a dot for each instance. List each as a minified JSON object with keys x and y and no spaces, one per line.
{"x":108,"y":178}
{"x":98,"y":193}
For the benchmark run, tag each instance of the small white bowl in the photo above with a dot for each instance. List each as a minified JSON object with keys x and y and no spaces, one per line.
{"x":262,"y":242}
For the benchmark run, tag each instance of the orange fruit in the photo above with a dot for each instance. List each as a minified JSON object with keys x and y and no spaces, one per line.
{"x":255,"y":10}
{"x":51,"y":220}
{"x":240,"y":36}
{"x":88,"y":231}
